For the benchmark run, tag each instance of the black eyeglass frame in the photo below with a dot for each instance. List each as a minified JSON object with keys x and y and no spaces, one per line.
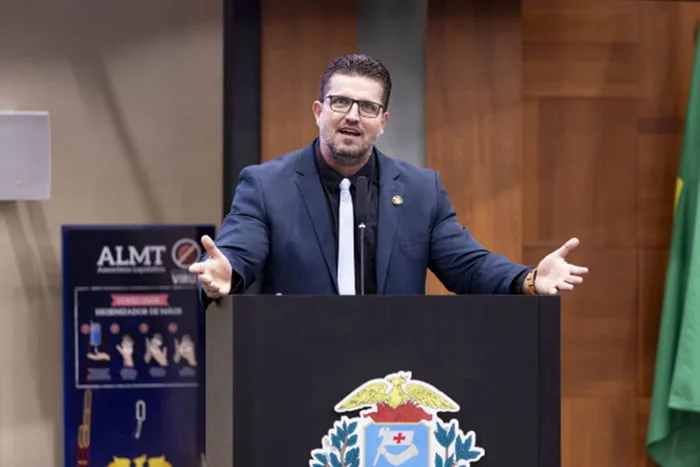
{"x":359,"y":103}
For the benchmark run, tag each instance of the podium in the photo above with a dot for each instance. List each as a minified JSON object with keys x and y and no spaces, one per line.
{"x":396,"y":380}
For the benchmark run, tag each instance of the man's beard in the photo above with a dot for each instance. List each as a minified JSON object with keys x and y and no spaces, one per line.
{"x":346,"y":156}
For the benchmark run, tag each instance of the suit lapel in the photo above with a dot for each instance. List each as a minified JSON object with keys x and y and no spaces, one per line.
{"x":317,"y":208}
{"x":389,"y":212}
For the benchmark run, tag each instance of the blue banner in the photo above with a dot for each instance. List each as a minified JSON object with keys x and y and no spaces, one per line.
{"x":133,"y":346}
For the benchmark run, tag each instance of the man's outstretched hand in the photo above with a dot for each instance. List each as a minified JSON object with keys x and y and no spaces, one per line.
{"x":554,"y":274}
{"x":214,"y":272}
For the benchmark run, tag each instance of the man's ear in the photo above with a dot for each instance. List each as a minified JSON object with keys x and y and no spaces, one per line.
{"x":316,"y":108}
{"x":385,"y":118}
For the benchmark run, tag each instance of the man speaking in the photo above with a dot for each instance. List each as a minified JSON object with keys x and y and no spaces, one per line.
{"x":340,"y":217}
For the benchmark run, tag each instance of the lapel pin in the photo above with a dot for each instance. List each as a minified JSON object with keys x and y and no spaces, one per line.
{"x":397,"y":200}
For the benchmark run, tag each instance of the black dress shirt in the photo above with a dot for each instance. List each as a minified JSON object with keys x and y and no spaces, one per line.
{"x":330,"y":179}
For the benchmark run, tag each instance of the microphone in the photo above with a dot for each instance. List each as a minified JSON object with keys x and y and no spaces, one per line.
{"x":361,"y":201}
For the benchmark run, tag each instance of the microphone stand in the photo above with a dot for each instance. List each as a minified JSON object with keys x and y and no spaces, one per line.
{"x":362,"y":196}
{"x":362,"y":227}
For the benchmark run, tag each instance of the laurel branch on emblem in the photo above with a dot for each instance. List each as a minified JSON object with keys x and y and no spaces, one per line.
{"x":391,"y":400}
{"x":339,"y":447}
{"x":459,"y":448}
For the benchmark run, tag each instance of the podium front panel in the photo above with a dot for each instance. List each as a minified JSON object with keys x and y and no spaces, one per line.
{"x":494,"y":357}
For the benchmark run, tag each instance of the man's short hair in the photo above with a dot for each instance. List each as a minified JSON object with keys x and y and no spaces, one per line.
{"x":357,"y":65}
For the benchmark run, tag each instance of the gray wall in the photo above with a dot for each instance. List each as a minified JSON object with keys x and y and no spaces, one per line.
{"x":393,"y":31}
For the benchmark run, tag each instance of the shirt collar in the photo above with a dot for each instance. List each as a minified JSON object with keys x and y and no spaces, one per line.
{"x":332,"y":177}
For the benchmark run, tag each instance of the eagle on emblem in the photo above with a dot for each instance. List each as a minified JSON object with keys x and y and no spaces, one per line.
{"x":395,"y":390}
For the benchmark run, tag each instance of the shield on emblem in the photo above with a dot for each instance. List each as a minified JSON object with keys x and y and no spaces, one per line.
{"x":397,"y":444}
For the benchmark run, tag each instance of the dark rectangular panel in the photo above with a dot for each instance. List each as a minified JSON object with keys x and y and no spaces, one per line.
{"x":295,"y":358}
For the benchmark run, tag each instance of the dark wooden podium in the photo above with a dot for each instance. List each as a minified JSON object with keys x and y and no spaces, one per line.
{"x":496,"y":358}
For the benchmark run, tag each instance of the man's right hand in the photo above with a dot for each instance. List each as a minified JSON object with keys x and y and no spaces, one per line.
{"x":215,"y":272}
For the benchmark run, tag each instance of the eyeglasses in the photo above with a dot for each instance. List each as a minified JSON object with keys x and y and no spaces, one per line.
{"x":342,"y":104}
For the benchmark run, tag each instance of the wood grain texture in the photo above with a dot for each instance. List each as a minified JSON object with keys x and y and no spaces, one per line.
{"x":599,"y":324}
{"x":666,"y":47}
{"x":299,"y":39}
{"x":599,"y":431}
{"x":474,"y":116}
{"x":605,"y":88}
{"x":643,"y":409}
{"x":582,"y":178}
{"x":652,"y":274}
{"x":580,"y":81}
{"x":579,"y":48}
{"x":659,"y":136}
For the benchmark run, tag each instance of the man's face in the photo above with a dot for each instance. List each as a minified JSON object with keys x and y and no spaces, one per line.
{"x":349,"y":129}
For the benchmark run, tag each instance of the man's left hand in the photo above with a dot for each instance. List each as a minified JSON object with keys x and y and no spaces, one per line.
{"x":555,"y":274}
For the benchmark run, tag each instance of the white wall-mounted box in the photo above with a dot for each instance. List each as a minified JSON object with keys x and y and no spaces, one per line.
{"x":25,"y":155}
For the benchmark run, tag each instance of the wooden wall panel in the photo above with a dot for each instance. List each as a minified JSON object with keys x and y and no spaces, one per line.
{"x":585,"y":179}
{"x":652,"y":273}
{"x":643,"y":408}
{"x":474,"y":116}
{"x":299,"y":39}
{"x":666,"y":47}
{"x":659,"y":136}
{"x":580,"y":48}
{"x":603,"y":85}
{"x":599,"y":431}
{"x":580,"y":80}
{"x":599,"y":325}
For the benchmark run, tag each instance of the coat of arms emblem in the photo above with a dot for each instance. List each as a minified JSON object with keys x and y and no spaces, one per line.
{"x":399,"y":426}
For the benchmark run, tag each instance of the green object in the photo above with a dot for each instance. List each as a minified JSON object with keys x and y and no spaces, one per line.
{"x":673,"y":436}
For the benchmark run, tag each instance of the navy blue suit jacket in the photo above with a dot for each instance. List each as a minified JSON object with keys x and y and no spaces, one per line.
{"x":278,"y":231}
